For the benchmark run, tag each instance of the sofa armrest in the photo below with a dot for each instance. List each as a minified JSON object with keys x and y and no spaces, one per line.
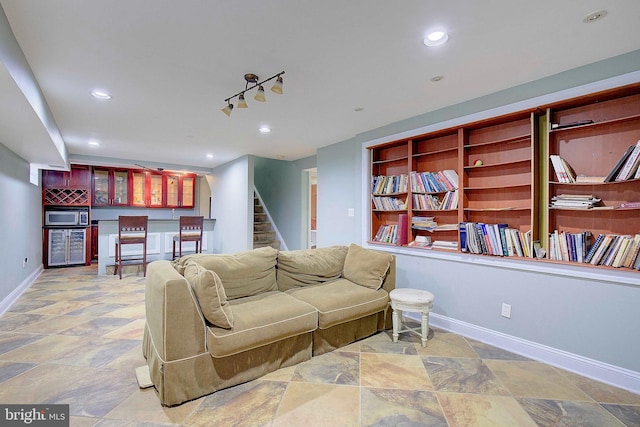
{"x":174,"y":319}
{"x":389,"y":282}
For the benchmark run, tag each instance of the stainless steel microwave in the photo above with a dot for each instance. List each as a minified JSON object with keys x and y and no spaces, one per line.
{"x":76,"y":217}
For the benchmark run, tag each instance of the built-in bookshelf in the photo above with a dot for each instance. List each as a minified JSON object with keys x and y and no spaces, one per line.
{"x":509,"y":186}
{"x":589,"y":142}
{"x":500,"y":163}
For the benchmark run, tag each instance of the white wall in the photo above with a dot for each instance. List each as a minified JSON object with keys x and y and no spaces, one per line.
{"x":20,"y":227}
{"x":232,"y":205}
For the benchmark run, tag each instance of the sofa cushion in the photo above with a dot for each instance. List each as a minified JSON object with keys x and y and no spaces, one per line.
{"x":365,"y":267}
{"x":244,"y":273}
{"x":309,"y":266}
{"x":341,"y":301}
{"x":260,"y":320}
{"x":210,"y":294}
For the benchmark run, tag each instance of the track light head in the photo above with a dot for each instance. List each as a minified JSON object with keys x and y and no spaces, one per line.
{"x":277,"y":86}
{"x":260,"y":94}
{"x":241,"y":101}
{"x":228,"y":109}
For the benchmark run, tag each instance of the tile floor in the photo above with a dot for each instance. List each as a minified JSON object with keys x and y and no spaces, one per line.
{"x":75,"y":337}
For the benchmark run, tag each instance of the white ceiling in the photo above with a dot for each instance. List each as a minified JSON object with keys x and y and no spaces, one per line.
{"x":170,"y":64}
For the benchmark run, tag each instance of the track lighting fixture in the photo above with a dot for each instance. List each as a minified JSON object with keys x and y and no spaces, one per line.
{"x":254,"y":80}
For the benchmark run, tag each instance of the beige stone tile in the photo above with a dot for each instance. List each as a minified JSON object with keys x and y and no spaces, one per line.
{"x":136,"y":311}
{"x":62,"y":307}
{"x":392,"y":407}
{"x":465,"y":410}
{"x":44,"y":350}
{"x":55,"y":324}
{"x":393,"y":371}
{"x":447,"y":345}
{"x":68,"y":295}
{"x":251,"y":404}
{"x":144,"y":406}
{"x":82,"y":421}
{"x":318,"y":405}
{"x":282,"y":374}
{"x":534,"y":379}
{"x":567,"y":413}
{"x":461,"y":375}
{"x":132,"y":331}
{"x":128,"y":361}
{"x":336,"y":367}
{"x":601,"y":392}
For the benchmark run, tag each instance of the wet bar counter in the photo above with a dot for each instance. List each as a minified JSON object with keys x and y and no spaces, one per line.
{"x":159,"y":241}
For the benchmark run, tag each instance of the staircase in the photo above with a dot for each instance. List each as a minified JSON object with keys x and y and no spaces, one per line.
{"x":263,"y":234}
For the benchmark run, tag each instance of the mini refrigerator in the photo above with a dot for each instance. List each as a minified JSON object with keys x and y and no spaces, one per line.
{"x":67,"y":246}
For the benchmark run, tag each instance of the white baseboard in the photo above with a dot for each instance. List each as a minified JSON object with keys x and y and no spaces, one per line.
{"x":599,"y":371}
{"x":6,"y":303}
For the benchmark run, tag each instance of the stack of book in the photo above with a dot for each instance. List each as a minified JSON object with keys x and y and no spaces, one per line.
{"x":575,"y":201}
{"x":615,"y":251}
{"x":434,"y":182}
{"x":389,"y":184}
{"x":427,"y":223}
{"x":494,"y":239}
{"x":566,"y":246}
{"x":445,"y":244}
{"x":564,"y":172}
{"x":389,"y":203}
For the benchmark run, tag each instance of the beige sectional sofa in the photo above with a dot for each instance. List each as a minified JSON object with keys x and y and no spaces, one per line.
{"x":214,"y":321}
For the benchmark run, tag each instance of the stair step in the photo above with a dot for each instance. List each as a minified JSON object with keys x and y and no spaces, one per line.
{"x":274,"y":244}
{"x":264,"y":236}
{"x":262,"y":226}
{"x":259,"y":217}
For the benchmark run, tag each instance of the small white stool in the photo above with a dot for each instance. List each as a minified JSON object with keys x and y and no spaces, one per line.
{"x":415,"y":300}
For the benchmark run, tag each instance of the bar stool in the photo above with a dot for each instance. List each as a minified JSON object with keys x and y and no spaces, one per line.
{"x":415,"y":300}
{"x":190,"y":231}
{"x":132,"y":230}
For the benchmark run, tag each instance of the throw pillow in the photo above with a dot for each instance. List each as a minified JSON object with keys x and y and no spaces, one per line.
{"x":366,"y":268}
{"x":210,"y":294}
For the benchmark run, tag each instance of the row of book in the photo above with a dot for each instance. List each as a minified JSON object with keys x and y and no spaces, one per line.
{"x":627,"y":167}
{"x":389,"y":203}
{"x":495,"y":239}
{"x":565,"y":246}
{"x":434,"y":182}
{"x":387,"y":234}
{"x":433,"y":202}
{"x":575,"y":201}
{"x":615,"y":250}
{"x":391,"y":184}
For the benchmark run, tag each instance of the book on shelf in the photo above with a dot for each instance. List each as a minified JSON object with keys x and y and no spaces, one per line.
{"x":576,"y":201}
{"x":387,"y":234}
{"x":565,"y":246}
{"x":630,"y":204}
{"x":421,"y":241}
{"x":570,"y":125}
{"x":590,"y":179}
{"x":616,"y":169}
{"x":630,"y":166}
{"x":564,"y":172}
{"x":445,"y":244}
{"x":494,"y":239}
{"x":386,"y":203}
{"x":403,"y":229}
{"x":434,"y":182}
{"x":383,"y":184}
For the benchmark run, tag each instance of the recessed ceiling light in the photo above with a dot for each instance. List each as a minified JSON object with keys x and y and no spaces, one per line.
{"x":209,"y":156}
{"x":436,"y":38}
{"x":264,"y":129}
{"x":594,"y":16}
{"x":358,"y":109}
{"x":94,"y":143}
{"x":436,"y":78}
{"x":100,"y":94}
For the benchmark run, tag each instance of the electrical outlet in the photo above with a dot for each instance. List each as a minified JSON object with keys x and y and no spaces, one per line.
{"x":351,"y":212}
{"x":506,"y":310}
